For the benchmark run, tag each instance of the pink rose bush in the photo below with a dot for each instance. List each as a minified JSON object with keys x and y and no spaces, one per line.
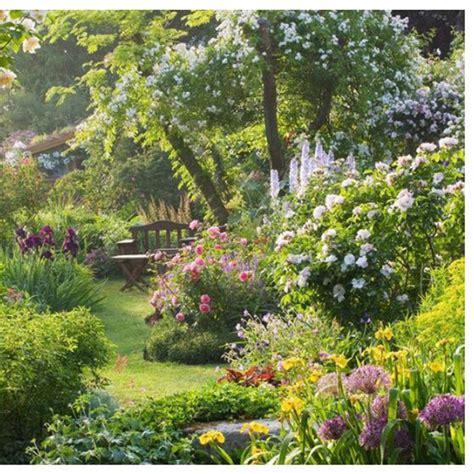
{"x":213,"y":282}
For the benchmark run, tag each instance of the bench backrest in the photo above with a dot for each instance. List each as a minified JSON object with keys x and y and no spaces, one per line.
{"x":159,"y":234}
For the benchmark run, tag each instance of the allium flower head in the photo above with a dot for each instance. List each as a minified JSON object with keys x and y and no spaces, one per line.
{"x":332,"y":429}
{"x":329,"y":384}
{"x":369,"y":379}
{"x":443,"y":410}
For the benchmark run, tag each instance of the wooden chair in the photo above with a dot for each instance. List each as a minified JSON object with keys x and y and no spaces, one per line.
{"x":147,"y":239}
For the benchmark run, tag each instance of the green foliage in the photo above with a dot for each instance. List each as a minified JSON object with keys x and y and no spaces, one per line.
{"x":23,"y":190}
{"x":174,"y":342}
{"x":57,"y":284}
{"x":150,"y":432}
{"x":44,"y":362}
{"x":442,"y":308}
{"x":359,"y":245}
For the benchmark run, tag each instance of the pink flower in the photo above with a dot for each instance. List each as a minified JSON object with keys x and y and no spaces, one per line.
{"x":244,"y":276}
{"x":213,"y":232}
{"x":218,"y":247}
{"x":206,"y":299}
{"x":243,"y":241}
{"x":204,"y":308}
{"x":176,"y":259}
{"x":199,"y":261}
{"x":223,"y":236}
{"x":180,"y":317}
{"x":199,"y":250}
{"x":194,"y":225}
{"x":154,"y":299}
{"x":174,"y":300}
{"x":233,"y":264}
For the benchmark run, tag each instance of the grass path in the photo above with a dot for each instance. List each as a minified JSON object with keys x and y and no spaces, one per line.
{"x":123,"y":314}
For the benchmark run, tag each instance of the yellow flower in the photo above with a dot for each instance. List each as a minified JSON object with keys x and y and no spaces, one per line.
{"x":339,"y":360}
{"x":435,"y":367}
{"x":445,"y":341}
{"x":376,"y":353}
{"x":315,"y":375}
{"x":413,"y":414}
{"x":254,"y":427}
{"x":291,"y":362}
{"x":212,"y":435}
{"x":384,"y":333}
{"x":292,"y":403}
{"x":256,"y":451}
{"x":404,"y":372}
{"x":296,"y":387}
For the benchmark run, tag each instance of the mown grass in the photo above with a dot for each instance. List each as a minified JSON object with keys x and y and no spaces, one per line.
{"x":134,"y":378}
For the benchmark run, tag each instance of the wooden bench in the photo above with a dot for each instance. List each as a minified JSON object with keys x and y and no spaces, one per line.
{"x":147,"y":239}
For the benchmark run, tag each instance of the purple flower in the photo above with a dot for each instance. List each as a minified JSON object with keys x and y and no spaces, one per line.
{"x":70,"y":242}
{"x":20,"y":233}
{"x":332,"y":429}
{"x":47,"y":235}
{"x":368,"y":379}
{"x":443,"y":410}
{"x":374,"y":425}
{"x":32,"y":241}
{"x":47,"y":254}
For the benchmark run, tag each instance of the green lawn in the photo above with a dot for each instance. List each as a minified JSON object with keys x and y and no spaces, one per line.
{"x":123,"y":315}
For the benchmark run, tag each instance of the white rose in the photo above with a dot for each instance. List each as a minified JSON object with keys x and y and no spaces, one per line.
{"x":31,"y":44}
{"x":6,"y":78}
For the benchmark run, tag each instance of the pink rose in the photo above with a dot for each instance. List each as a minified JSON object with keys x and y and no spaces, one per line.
{"x":206,"y":299}
{"x":204,"y":308}
{"x":199,"y":250}
{"x":243,"y":241}
{"x":223,"y":236}
{"x":180,"y":317}
{"x":194,"y":225}
{"x":199,"y":261}
{"x":213,"y":232}
{"x":244,"y":276}
{"x":218,"y":247}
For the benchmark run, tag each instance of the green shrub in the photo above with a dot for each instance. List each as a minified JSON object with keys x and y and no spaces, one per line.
{"x":151,"y":432}
{"x":185,"y":344}
{"x":44,"y":360}
{"x":59,"y":284}
{"x":441,"y":313}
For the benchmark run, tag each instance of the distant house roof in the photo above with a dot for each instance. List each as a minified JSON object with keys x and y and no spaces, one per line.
{"x":52,"y":141}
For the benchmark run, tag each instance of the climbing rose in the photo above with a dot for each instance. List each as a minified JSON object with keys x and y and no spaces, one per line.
{"x":30,"y":45}
{"x":199,"y":250}
{"x":180,"y":317}
{"x":213,"y":232}
{"x":194,"y":225}
{"x":6,"y":78}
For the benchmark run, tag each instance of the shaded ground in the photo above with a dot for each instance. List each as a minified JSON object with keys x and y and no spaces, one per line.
{"x":133,"y":378}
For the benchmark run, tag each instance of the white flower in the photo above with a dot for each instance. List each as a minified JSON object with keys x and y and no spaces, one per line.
{"x":372,"y":214}
{"x":332,"y":200}
{"x":325,"y":249}
{"x":28,"y":24}
{"x":405,"y":200}
{"x":357,"y":211}
{"x":363,"y":234}
{"x":437,"y":178}
{"x":366,"y":248}
{"x":362,"y":262}
{"x":448,"y":142}
{"x":418,"y":161}
{"x":274,"y":184}
{"x":331,"y":259}
{"x":338,"y":292}
{"x":404,"y":160}
{"x":319,"y":211}
{"x":387,"y":270}
{"x":292,"y":258}
{"x":380,"y":165}
{"x":327,"y":234}
{"x":429,"y":147}
{"x":303,"y":277}
{"x":402,"y":298}
{"x":349,"y":259}
{"x":30,"y":45}
{"x":283,"y":239}
{"x":358,"y":283}
{"x":6,"y":78}
{"x":348,"y":182}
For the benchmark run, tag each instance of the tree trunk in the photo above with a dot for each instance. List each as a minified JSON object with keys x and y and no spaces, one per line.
{"x":324,"y":109}
{"x":270,"y":99}
{"x":201,"y":178}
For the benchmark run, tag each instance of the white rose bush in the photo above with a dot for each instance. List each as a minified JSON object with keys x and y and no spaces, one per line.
{"x":360,"y":245}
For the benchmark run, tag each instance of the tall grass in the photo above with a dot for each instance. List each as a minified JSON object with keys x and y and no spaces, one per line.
{"x":59,"y":284}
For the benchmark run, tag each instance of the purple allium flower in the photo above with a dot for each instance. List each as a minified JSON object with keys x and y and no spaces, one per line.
{"x":368,"y":379}
{"x":332,"y":429}
{"x":329,"y":384}
{"x":443,"y":410}
{"x":374,"y":425}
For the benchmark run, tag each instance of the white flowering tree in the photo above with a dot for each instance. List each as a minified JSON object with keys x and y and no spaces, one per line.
{"x":17,"y":31}
{"x":206,"y":85}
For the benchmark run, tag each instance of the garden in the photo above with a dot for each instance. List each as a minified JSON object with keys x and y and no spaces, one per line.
{"x":232,"y":237}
